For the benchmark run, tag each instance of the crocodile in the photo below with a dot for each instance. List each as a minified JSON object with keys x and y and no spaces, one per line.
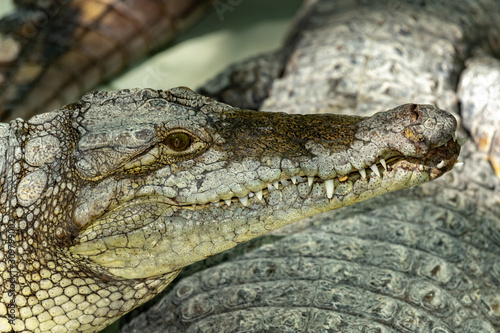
{"x":96,"y":155}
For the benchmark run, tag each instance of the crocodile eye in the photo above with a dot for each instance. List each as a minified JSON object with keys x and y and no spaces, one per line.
{"x":178,"y":141}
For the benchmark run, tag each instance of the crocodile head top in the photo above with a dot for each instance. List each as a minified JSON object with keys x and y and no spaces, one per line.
{"x":108,"y":198}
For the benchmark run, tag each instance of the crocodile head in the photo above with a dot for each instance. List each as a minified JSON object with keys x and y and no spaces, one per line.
{"x":168,"y":178}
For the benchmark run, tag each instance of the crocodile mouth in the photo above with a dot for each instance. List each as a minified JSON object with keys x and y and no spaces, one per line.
{"x":431,"y":166}
{"x":391,"y":173}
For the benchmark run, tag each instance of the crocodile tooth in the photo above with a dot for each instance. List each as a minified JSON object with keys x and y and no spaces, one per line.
{"x":329,"y":188}
{"x":362,"y":172}
{"x":300,"y":179}
{"x":294,"y":180}
{"x":375,"y":170}
{"x":244,"y":201}
{"x":462,"y":141}
{"x":217,"y":204}
{"x":228,"y":202}
{"x":251,"y":194}
{"x":382,"y":161}
{"x":421,"y":167}
{"x":459,"y":164}
{"x":285,"y":182}
{"x":440,"y":165}
{"x":270,"y":187}
{"x":454,"y":136}
{"x":276,"y":184}
{"x":310,"y":180}
{"x":258,"y":194}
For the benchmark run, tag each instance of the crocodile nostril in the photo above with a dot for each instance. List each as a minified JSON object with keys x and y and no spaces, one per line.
{"x":414,"y":113}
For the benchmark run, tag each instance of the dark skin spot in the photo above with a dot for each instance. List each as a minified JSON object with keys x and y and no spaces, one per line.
{"x":429,"y":297}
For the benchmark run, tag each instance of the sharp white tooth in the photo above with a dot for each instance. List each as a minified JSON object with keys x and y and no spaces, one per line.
{"x":421,"y":167}
{"x":276,"y":184}
{"x":294,"y":180}
{"x":375,"y":170}
{"x":285,"y":182}
{"x":382,"y":161}
{"x":310,"y":180}
{"x":454,"y":136}
{"x":217,"y":204}
{"x":440,"y":165}
{"x":329,"y":188}
{"x":228,"y":202}
{"x":270,"y":187}
{"x":459,"y":164}
{"x":244,"y":201}
{"x":258,"y":194}
{"x":362,"y":172}
{"x":462,"y":141}
{"x":251,"y":194}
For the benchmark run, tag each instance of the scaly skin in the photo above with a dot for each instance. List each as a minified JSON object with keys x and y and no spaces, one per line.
{"x":104,"y":201}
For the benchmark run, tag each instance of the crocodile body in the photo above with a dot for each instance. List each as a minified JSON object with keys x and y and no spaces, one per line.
{"x":142,"y":172}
